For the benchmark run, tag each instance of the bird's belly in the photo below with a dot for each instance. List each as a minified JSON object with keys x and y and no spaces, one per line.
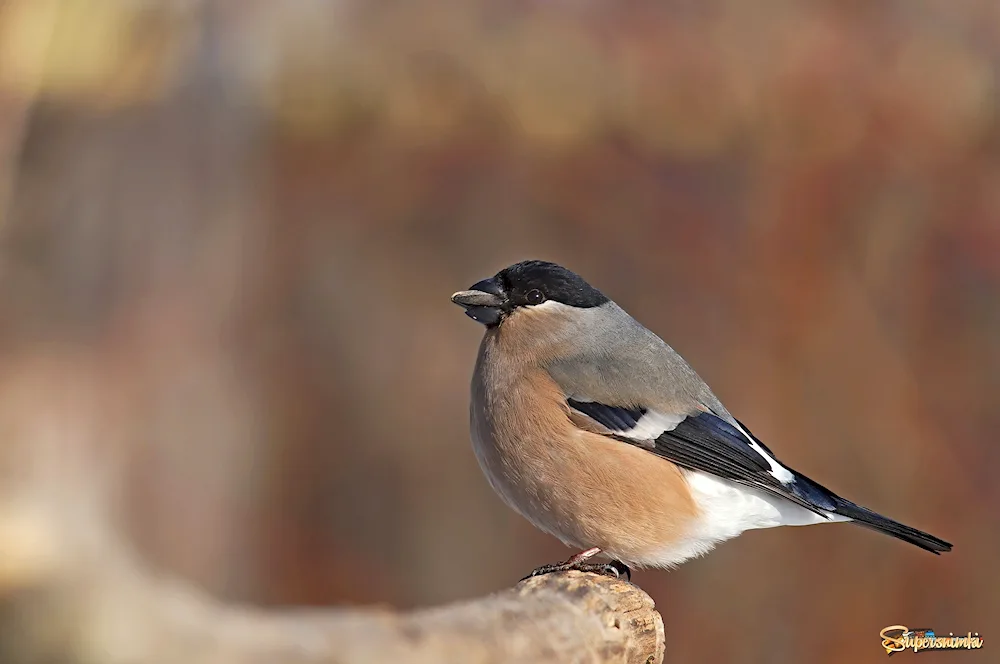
{"x":725,"y":510}
{"x":588,"y":490}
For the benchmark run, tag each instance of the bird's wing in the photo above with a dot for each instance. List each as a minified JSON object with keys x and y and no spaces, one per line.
{"x":702,"y":441}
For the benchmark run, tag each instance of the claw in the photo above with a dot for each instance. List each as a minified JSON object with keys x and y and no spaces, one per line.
{"x":615,"y":569}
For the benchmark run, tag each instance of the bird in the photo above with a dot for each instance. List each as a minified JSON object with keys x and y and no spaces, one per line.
{"x":599,"y":433}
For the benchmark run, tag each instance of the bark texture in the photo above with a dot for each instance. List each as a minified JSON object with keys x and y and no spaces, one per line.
{"x":72,"y":595}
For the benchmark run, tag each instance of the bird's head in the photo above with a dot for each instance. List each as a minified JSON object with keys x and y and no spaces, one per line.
{"x":529,"y":286}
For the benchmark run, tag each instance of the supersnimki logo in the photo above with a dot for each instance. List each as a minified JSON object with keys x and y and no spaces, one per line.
{"x":897,"y":638}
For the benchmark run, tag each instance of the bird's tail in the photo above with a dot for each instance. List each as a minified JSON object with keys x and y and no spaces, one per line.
{"x":865,"y":517}
{"x":829,"y":502}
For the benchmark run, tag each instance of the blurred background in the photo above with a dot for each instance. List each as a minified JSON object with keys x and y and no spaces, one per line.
{"x":229,"y":230}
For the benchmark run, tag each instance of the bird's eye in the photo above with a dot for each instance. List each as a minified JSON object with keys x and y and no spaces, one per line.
{"x":534,"y":296}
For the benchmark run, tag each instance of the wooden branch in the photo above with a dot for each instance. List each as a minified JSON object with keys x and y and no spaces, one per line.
{"x":91,"y":602}
{"x":73,"y":591}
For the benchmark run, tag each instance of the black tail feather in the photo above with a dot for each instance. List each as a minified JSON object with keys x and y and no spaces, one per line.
{"x":822,"y":497}
{"x":865,"y":517}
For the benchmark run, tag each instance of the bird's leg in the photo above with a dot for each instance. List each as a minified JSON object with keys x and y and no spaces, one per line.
{"x":615,"y":568}
{"x":583,"y":556}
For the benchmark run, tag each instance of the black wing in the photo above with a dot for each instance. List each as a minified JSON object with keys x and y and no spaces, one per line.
{"x":705,"y":442}
{"x":710,"y":444}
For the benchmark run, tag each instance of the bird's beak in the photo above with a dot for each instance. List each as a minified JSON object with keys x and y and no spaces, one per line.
{"x":484,"y":302}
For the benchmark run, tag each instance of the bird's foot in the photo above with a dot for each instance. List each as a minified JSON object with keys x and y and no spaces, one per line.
{"x":615,"y":569}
